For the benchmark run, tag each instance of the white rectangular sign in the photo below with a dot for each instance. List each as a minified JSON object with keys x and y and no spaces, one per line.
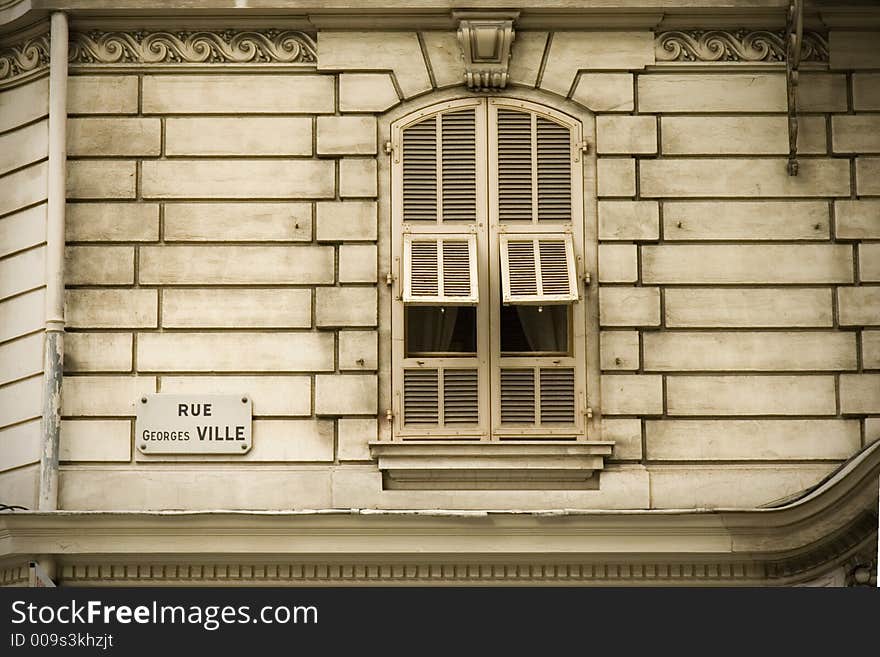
{"x":193,"y":424}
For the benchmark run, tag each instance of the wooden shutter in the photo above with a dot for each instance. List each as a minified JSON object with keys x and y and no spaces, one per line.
{"x":539,"y":396}
{"x":538,"y":269}
{"x":441,"y":397}
{"x":440,"y":270}
{"x":420,"y":171}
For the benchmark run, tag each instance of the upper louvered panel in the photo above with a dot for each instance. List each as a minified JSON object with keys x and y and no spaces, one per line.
{"x":522,"y":272}
{"x":555,"y":278}
{"x":554,"y":171}
{"x":420,"y":171}
{"x":456,"y":268}
{"x":557,"y":396}
{"x":421,"y":399}
{"x":515,"y":184}
{"x":424,"y":269}
{"x":461,"y":396}
{"x":517,"y":396}
{"x":440,"y":270}
{"x":459,"y":165}
{"x":538,"y":269}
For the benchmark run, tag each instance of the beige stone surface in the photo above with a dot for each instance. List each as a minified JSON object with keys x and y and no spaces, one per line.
{"x":866,"y":91}
{"x":742,"y":177}
{"x":22,"y":314}
{"x":239,"y":135}
{"x":858,"y":133}
{"x":444,"y":56}
{"x":21,"y":358}
{"x":24,"y":146}
{"x":115,"y":136}
{"x":112,"y":222}
{"x":95,"y":440}
{"x":746,"y":220}
{"x":618,"y":263}
{"x":245,"y":179}
{"x":600,"y":50}
{"x":102,"y":94}
{"x":357,"y":263}
{"x":270,"y":395}
{"x":632,"y":394}
{"x":21,"y":401}
{"x":20,"y":445}
{"x":375,"y":51}
{"x":860,"y":393}
{"x":235,"y":352}
{"x":23,"y":229}
{"x":868,"y":176}
{"x":345,"y":306}
{"x":357,"y":177}
{"x":753,"y":351}
{"x":626,"y":435}
{"x":729,"y":486}
{"x":23,"y":272}
{"x":104,"y":395}
{"x":526,"y":54}
{"x":96,"y":179}
{"x":366,"y":92}
{"x":354,"y":435}
{"x":629,"y":220}
{"x":177,"y":486}
{"x":871,"y":349}
{"x":215,"y":265}
{"x":850,"y":49}
{"x":750,"y":395}
{"x":345,"y":394}
{"x":358,"y":350}
{"x":236,"y":308}
{"x":24,"y":104}
{"x":616,"y":176}
{"x":752,"y":263}
{"x":22,"y":188}
{"x":619,"y":350}
{"x":857,"y":219}
{"x":97,"y":352}
{"x":624,"y":135}
{"x":232,"y":94}
{"x":740,"y":135}
{"x":859,"y":306}
{"x":99,"y":265}
{"x":347,"y":220}
{"x":869,"y":262}
{"x":712,"y":92}
{"x":605,"y":92}
{"x":629,"y":306}
{"x":231,"y":222}
{"x":872,"y":429}
{"x":113,"y":308}
{"x":751,"y":440}
{"x":346,"y":135}
{"x":21,"y":486}
{"x":748,"y":307}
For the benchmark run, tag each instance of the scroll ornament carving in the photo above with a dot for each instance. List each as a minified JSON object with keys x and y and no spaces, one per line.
{"x":223,"y":47}
{"x":23,"y":58}
{"x":735,"y":46}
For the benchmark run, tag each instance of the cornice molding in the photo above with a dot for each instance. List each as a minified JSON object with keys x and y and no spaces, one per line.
{"x":726,"y":46}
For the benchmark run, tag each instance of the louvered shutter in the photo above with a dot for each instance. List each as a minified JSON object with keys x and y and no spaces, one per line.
{"x":442,"y":397}
{"x":538,"y":269}
{"x":539,"y":396}
{"x":440,"y":270}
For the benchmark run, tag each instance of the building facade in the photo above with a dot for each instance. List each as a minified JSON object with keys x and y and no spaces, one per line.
{"x":535,"y":292}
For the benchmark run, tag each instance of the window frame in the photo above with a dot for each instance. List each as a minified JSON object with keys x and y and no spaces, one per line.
{"x":585,"y":330}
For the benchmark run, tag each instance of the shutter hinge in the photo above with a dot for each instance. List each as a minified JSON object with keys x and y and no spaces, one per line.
{"x":389,"y":147}
{"x":389,"y":279}
{"x":589,"y":413}
{"x":588,"y":279}
{"x":584,"y":146}
{"x":389,"y":415}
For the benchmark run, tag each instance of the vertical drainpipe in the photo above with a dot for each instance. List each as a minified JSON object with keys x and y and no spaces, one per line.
{"x":53,"y":358}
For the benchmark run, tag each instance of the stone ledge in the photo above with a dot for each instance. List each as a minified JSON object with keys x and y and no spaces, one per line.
{"x":443,"y":465}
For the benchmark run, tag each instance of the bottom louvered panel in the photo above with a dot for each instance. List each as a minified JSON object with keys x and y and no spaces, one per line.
{"x":557,"y":396}
{"x":421,"y":399}
{"x":517,"y":396}
{"x":461,"y":397}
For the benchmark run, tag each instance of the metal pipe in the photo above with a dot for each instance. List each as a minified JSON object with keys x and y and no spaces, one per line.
{"x":53,"y":357}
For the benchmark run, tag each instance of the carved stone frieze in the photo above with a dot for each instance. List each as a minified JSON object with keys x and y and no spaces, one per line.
{"x":201,"y":47}
{"x":21,"y":60}
{"x":735,"y":46}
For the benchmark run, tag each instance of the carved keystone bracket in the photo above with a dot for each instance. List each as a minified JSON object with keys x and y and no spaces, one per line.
{"x":485,"y":39}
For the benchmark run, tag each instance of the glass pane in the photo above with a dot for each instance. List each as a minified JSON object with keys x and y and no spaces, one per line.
{"x":530,"y":329}
{"x":441,"y":330}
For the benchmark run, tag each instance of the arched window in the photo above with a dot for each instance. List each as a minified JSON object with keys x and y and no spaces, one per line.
{"x":488,"y":317}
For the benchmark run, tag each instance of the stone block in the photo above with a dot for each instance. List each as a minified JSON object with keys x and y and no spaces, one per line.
{"x":345,"y":306}
{"x":22,"y":314}
{"x":444,"y":56}
{"x":526,"y":54}
{"x":99,"y":265}
{"x":238,"y":222}
{"x":345,"y":221}
{"x":21,"y":446}
{"x":619,"y":350}
{"x":345,"y":394}
{"x":859,"y":133}
{"x":23,"y":230}
{"x":111,"y":308}
{"x":605,"y":92}
{"x":616,"y":176}
{"x":114,"y":136}
{"x":354,"y":436}
{"x":857,"y":219}
{"x":629,"y":306}
{"x":860,"y":393}
{"x":358,"y":350}
{"x":23,"y":188}
{"x":632,"y":394}
{"x":112,"y":222}
{"x":357,"y":178}
{"x":866,"y":91}
{"x":24,"y":146}
{"x":748,"y":307}
{"x":270,"y":395}
{"x":867,"y":176}
{"x":102,"y":94}
{"x":104,"y":395}
{"x":740,"y":135}
{"x":625,"y":135}
{"x":23,"y":104}
{"x":239,"y":135}
{"x":21,"y":358}
{"x":859,"y":306}
{"x":869,"y":262}
{"x":629,"y":220}
{"x":366,"y":92}
{"x":292,"y":440}
{"x":97,"y":352}
{"x":750,"y":395}
{"x":712,"y":92}
{"x":618,"y":263}
{"x":346,"y":135}
{"x":357,"y":263}
{"x":746,"y":220}
{"x":22,"y":272}
{"x":97,"y":179}
{"x":627,"y":437}
{"x":95,"y":440}
{"x":21,"y":401}
{"x":871,"y":350}
{"x":848,"y":49}
{"x":236,"y":308}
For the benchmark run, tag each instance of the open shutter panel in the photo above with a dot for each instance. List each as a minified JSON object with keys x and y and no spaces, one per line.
{"x":440,"y":270}
{"x":538,"y":270}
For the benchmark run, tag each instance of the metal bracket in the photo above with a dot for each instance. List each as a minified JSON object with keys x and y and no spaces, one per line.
{"x":794,"y":35}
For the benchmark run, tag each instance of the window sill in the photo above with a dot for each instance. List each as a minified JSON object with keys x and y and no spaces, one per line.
{"x":523,"y":465}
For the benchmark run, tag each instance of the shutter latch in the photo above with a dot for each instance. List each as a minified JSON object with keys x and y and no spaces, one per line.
{"x":587,"y":279}
{"x":389,"y":279}
{"x":584,"y":146}
{"x":389,"y":415}
{"x":589,"y":413}
{"x":389,"y":147}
